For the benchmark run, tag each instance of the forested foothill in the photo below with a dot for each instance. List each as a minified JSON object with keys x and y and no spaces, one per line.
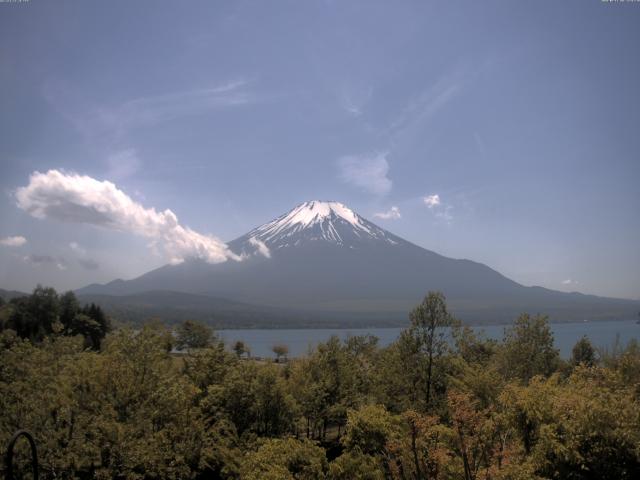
{"x":441,"y":402}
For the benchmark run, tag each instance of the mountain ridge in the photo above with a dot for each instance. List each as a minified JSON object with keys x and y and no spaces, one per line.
{"x":322,"y":257}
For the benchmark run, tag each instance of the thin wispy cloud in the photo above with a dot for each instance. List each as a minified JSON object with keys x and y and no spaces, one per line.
{"x":569,"y":281}
{"x":372,"y":176}
{"x":445,"y":214}
{"x":392,"y":214}
{"x":16,"y":241}
{"x":354,"y":101}
{"x":480,"y":144}
{"x":123,"y":164}
{"x":422,"y":108}
{"x":366,"y":172}
{"x":73,"y":198}
{"x":116,"y":120}
{"x":425,"y":106}
{"x":77,"y":248}
{"x":156,"y":109}
{"x":88,"y":264}
{"x":353,"y":109}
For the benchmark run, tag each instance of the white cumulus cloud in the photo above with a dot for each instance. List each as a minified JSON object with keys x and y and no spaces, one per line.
{"x":16,"y":241}
{"x":431,"y":200}
{"x":73,"y":198}
{"x":392,"y":214}
{"x":439,"y":209}
{"x":367,"y":172}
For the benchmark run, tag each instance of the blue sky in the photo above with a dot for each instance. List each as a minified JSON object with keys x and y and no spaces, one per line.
{"x":521,"y":117}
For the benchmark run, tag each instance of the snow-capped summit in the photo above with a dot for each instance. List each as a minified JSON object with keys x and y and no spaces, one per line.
{"x":315,"y":211}
{"x":315,"y":221}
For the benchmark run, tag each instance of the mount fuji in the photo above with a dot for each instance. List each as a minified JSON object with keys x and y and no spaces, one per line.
{"x":323,"y":264}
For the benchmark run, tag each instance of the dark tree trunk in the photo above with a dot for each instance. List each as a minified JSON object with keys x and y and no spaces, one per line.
{"x":414,"y":449}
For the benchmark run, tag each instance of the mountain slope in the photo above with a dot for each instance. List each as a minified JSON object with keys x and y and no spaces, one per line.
{"x":324,"y":259}
{"x":9,"y":294}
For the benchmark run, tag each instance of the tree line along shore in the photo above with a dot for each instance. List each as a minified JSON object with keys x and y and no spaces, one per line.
{"x":438,"y":403}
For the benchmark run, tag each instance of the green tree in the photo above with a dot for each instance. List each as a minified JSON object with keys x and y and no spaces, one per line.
{"x":97,"y":314}
{"x":334,"y":371}
{"x":90,"y":321}
{"x":69,"y":308}
{"x":355,"y":465}
{"x":285,"y":459}
{"x":528,"y":349}
{"x":191,"y":335}
{"x":144,"y":420}
{"x":472,"y":347}
{"x":625,"y":361}
{"x":583,"y":353}
{"x":35,"y":316}
{"x":478,"y":438}
{"x":281,"y":350}
{"x":274,"y":407}
{"x":369,"y":429}
{"x":420,"y":452}
{"x":122,"y":413}
{"x":399,"y":374}
{"x":308,"y":392}
{"x":208,"y":366}
{"x":234,"y":398}
{"x":254,"y":398}
{"x":240,"y":348}
{"x":585,"y":427}
{"x":430,"y":322}
{"x":87,"y":327}
{"x":5,"y":313}
{"x":362,"y":355}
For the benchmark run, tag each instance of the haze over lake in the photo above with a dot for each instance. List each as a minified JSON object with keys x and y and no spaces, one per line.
{"x":260,"y":341}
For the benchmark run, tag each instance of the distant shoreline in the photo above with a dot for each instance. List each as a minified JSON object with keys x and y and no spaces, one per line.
{"x":602,"y":333}
{"x":395,"y":326}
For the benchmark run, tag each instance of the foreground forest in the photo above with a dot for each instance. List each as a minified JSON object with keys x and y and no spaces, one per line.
{"x":439,"y":403}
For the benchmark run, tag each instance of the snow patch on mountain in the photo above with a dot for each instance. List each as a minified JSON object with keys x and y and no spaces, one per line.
{"x":315,"y":220}
{"x":310,"y":213}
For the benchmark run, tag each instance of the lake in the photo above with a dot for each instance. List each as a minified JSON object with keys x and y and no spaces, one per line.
{"x":260,"y":341}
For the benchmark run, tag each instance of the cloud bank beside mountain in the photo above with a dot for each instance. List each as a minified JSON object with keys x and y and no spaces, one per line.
{"x":74,"y":198}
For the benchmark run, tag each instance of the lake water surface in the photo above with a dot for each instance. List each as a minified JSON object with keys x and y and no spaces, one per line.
{"x":601,"y":334}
